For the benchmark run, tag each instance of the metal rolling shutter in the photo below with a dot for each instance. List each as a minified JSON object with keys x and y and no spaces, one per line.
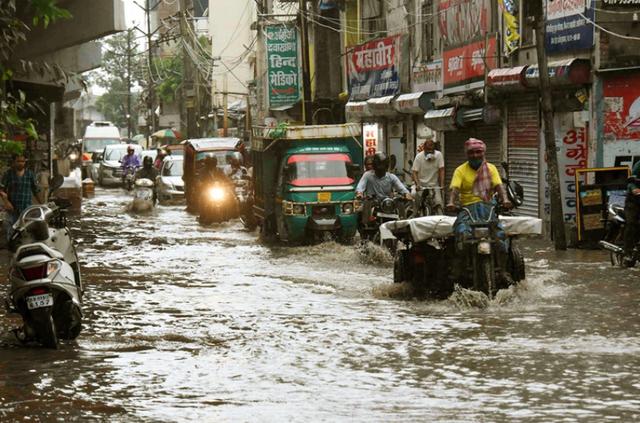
{"x":523,"y":126}
{"x":454,"y":154}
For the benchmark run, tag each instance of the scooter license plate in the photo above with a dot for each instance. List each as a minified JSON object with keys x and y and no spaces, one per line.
{"x":144,"y":194}
{"x":39,"y":301}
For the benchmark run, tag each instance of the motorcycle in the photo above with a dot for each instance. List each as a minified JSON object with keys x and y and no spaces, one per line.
{"x":433,"y":264}
{"x":218,"y":203}
{"x":128,"y":177}
{"x":614,"y":231}
{"x":143,"y":196}
{"x":378,"y":212}
{"x":45,"y":282}
{"x":244,"y":197}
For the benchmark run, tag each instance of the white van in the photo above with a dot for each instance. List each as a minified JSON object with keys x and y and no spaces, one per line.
{"x":97,"y":136}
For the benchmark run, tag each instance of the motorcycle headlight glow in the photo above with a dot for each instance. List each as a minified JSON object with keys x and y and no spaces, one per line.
{"x":216,"y":194}
{"x":73,"y":156}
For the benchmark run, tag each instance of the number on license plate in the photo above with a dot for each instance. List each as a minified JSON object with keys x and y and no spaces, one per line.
{"x":39,"y":301}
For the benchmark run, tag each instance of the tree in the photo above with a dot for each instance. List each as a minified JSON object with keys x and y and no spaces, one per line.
{"x":122,"y":70}
{"x":16,"y":20}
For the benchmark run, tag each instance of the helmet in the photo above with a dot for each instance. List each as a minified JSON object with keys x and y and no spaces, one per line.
{"x":147,"y":161}
{"x":380,"y":164}
{"x":130,"y":148}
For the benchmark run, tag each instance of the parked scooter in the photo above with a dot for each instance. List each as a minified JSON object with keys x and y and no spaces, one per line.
{"x":614,"y":235}
{"x":143,"y":196}
{"x":45,"y":282}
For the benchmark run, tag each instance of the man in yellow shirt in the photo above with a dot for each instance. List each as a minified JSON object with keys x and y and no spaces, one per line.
{"x":474,"y":183}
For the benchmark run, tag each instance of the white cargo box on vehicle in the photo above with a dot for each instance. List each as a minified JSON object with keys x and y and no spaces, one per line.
{"x":430,"y":227}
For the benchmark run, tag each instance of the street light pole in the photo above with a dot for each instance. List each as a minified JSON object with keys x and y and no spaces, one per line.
{"x":306,"y":80}
{"x":151,"y":95}
{"x":129,"y":37}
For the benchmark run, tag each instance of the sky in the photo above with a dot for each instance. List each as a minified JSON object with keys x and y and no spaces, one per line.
{"x":133,"y":14}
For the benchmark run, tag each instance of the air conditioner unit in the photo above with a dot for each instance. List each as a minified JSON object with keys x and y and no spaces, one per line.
{"x":395,"y":130}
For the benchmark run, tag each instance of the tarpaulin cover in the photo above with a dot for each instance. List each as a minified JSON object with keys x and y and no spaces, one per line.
{"x":429,"y":227}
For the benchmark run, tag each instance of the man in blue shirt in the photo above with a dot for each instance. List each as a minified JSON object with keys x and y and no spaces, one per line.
{"x":379,"y":183}
{"x":18,"y":188}
{"x":632,"y":214}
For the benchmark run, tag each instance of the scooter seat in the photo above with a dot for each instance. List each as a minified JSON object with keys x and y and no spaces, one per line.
{"x":38,"y":248}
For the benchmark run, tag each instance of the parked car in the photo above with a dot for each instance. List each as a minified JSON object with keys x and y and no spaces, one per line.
{"x":110,"y":172}
{"x":169,"y":185}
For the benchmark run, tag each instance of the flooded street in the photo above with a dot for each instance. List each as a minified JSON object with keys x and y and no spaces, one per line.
{"x":187,"y":323}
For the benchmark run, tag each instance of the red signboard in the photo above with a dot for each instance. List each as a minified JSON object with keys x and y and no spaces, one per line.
{"x":467,"y":63}
{"x":622,"y":107}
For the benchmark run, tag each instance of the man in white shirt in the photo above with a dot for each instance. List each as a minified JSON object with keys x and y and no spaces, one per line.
{"x":428,"y":172}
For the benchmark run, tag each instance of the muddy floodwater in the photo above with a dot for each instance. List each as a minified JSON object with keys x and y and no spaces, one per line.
{"x":191,"y":323}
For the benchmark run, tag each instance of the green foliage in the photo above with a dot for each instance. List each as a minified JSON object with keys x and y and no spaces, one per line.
{"x":120,"y":62}
{"x":16,"y":20}
{"x":171,"y":73}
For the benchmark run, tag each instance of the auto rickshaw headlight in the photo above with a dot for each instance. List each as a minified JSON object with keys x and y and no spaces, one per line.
{"x":347,"y":208}
{"x":216,"y":194}
{"x":298,"y":209}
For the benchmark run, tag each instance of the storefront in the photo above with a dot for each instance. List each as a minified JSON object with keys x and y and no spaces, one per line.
{"x":412,"y":108}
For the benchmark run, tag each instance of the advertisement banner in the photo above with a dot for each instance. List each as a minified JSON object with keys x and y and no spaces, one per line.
{"x":566,"y":28}
{"x":511,"y":34}
{"x":572,"y":149}
{"x":282,"y":64}
{"x":461,"y":21}
{"x":370,"y":138}
{"x":467,"y":63}
{"x":374,"y":68}
{"x":621,"y":3}
{"x":621,"y":108}
{"x":427,"y":77}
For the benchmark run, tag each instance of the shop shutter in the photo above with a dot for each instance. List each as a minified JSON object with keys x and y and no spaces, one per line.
{"x":454,"y":154}
{"x":523,"y":130}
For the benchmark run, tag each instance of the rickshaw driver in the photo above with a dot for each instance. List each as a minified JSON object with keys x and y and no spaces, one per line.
{"x":474,"y":183}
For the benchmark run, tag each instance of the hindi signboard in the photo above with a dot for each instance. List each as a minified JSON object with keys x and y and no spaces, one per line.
{"x":568,"y":27}
{"x":427,"y":77}
{"x":467,"y":64}
{"x":374,"y":68}
{"x":282,"y":64}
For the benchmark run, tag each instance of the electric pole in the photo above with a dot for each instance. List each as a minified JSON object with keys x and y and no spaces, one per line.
{"x":188,"y":94}
{"x":557,"y":214}
{"x":151,"y":119}
{"x":306,"y":80}
{"x":129,"y":53}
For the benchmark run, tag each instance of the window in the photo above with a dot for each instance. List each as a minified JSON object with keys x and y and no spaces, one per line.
{"x":374,"y":22}
{"x":172,"y":168}
{"x":428,"y":31}
{"x":304,"y":170}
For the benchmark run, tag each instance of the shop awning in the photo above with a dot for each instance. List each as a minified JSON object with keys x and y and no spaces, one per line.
{"x":381,"y":106}
{"x":507,"y":78}
{"x":355,"y":111}
{"x":488,"y":114}
{"x":414,"y":103}
{"x":441,"y":120}
{"x":561,"y":73}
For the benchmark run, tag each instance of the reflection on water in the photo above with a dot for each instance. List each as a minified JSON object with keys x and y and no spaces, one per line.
{"x":187,"y":322}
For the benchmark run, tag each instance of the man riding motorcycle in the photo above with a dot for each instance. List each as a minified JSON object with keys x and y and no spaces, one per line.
{"x":130,"y":160}
{"x":473,"y":184}
{"x":148,"y":171}
{"x":632,"y":214}
{"x":379,"y":184}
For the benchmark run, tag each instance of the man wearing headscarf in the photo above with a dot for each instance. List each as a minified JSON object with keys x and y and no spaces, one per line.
{"x":473,"y":184}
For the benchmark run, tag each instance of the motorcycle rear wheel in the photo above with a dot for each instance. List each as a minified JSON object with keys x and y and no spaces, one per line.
{"x":44,"y":327}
